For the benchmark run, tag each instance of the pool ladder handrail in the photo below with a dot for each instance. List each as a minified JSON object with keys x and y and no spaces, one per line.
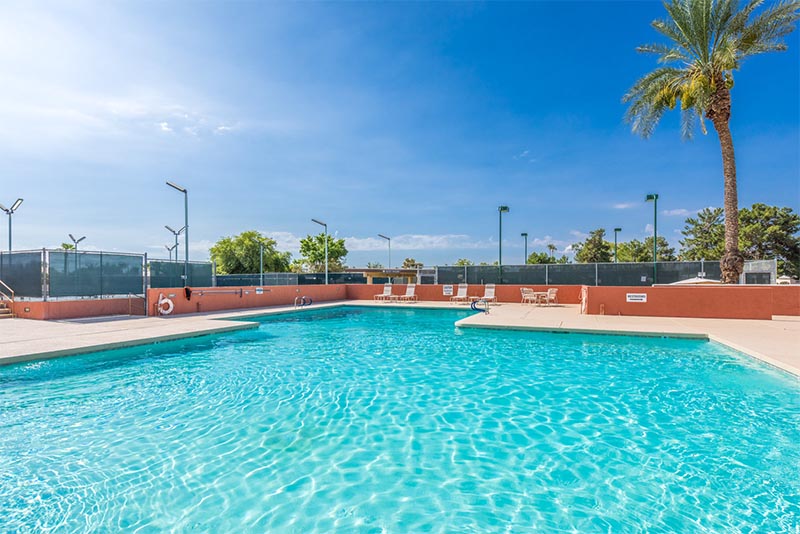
{"x":9,"y":297}
{"x":485,"y":309}
{"x":300,"y":302}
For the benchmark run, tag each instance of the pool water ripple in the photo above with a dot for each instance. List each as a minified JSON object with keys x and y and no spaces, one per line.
{"x":393,"y":421}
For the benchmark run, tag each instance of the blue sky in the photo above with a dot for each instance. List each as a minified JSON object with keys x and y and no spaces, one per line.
{"x":415,"y":120}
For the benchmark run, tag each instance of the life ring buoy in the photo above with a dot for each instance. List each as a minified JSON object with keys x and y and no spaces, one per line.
{"x":165,"y":305}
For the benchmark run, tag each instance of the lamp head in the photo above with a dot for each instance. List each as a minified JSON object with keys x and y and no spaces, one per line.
{"x":617,"y":229}
{"x":319,"y":222}
{"x":175,"y":186}
{"x":503,"y":209}
{"x":524,"y":234}
{"x":5,"y":209}
{"x":383,"y":236}
{"x":71,"y":237}
{"x":16,"y":205}
{"x":652,"y":196}
{"x":168,"y":227}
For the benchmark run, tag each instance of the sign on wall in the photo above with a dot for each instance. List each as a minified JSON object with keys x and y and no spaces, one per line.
{"x":635,"y":297}
{"x":448,"y":290}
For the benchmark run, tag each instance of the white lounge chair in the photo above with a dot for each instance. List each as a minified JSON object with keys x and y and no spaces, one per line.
{"x":410,"y":295}
{"x":386,"y":295}
{"x":488,"y":294}
{"x":461,"y":296}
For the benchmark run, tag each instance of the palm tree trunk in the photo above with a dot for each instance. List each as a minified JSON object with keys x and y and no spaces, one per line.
{"x":732,"y":262}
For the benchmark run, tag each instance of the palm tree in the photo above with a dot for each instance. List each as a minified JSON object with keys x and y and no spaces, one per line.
{"x":552,"y":248}
{"x":708,"y":41}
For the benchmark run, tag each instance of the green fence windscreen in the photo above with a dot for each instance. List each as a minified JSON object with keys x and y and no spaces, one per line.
{"x":22,"y":272}
{"x":87,"y":274}
{"x":170,"y":274}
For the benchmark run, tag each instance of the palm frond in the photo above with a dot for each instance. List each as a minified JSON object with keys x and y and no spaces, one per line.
{"x":764,"y":33}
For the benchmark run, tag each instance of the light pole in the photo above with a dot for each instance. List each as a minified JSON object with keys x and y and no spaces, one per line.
{"x":326,"y":247}
{"x":186,"y":230}
{"x":389,"y":239}
{"x":616,"y":231}
{"x":261,"y":263}
{"x":176,"y":233}
{"x":654,"y":198}
{"x":170,"y":249}
{"x":501,"y":210}
{"x":525,"y":235}
{"x":76,"y":241}
{"x":10,"y":211}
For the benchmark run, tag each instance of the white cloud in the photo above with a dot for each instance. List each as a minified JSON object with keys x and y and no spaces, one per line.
{"x":578,"y":234}
{"x":648,"y":229}
{"x":418,"y":242}
{"x":625,"y":205}
{"x":164,"y":126}
{"x":680,"y":212}
{"x":285,"y":241}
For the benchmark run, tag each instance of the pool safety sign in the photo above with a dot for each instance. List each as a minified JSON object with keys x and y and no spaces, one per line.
{"x":448,"y":290}
{"x":635,"y":297}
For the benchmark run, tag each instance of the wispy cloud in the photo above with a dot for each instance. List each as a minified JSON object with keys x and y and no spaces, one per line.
{"x":578,"y":234}
{"x":625,"y":205}
{"x":679,"y":212}
{"x":648,"y":229}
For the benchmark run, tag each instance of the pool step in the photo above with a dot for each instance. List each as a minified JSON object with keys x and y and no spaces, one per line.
{"x":5,"y":311}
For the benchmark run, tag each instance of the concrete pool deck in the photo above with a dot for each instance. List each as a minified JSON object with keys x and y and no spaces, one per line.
{"x":776,"y":342}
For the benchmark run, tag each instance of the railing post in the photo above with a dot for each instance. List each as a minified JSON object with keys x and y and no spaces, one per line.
{"x":45,"y":274}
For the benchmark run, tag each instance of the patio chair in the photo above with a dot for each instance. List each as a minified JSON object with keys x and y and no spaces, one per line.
{"x":461,"y":296}
{"x":410,"y":295}
{"x":488,"y":294}
{"x":386,"y":295}
{"x":552,"y":296}
{"x":528,"y":295}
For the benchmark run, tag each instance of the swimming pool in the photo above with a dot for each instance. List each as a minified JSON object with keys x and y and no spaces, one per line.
{"x":391,"y":420}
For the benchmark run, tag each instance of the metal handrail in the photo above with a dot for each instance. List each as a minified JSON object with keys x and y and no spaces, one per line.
{"x":11,"y":298}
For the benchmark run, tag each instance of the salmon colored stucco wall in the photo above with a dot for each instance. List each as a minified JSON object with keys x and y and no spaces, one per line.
{"x":72,"y":309}
{"x":730,"y":302}
{"x":206,"y":299}
{"x":785,"y":300}
{"x":505,"y":293}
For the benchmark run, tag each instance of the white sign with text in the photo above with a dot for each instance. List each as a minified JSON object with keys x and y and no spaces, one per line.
{"x":635,"y":297}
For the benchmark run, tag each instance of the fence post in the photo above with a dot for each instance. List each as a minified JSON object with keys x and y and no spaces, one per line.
{"x":595,"y":274}
{"x":45,"y":274}
{"x":546,"y":274}
{"x":436,"y":275}
{"x":214,"y":274}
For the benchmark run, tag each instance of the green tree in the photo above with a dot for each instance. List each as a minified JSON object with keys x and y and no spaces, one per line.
{"x":540,"y":257}
{"x":765,"y":232}
{"x":410,"y":263}
{"x":463,"y":262}
{"x":768,"y":232}
{"x":595,"y":249}
{"x":241,"y":254}
{"x":371,"y":265}
{"x":642,"y":251}
{"x":707,"y":41}
{"x":552,"y":249}
{"x":312,"y":249}
{"x":704,"y":236}
{"x":67,"y":246}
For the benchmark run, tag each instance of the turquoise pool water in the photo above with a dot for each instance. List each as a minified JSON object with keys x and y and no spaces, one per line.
{"x":393,"y":421}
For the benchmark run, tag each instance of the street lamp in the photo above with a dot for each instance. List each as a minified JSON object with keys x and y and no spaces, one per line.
{"x":389,"y":239}
{"x":76,"y":241}
{"x":176,"y":233}
{"x":170,"y":249}
{"x":525,"y":235}
{"x":186,"y":230}
{"x":616,"y":231}
{"x":501,"y":210}
{"x":10,"y":211}
{"x":654,"y":198}
{"x":326,"y":247}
